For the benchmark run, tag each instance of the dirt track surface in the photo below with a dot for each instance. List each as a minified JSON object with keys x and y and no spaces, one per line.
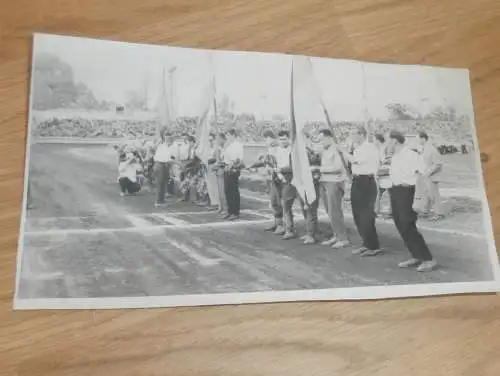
{"x":84,"y":240}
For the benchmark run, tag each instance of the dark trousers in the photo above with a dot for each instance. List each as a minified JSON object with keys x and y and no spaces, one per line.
{"x":162,"y":178}
{"x":169,"y":182}
{"x":128,"y":186}
{"x":289,"y":194}
{"x":363,"y":196}
{"x":405,"y":220}
{"x":232,"y":190}
{"x":275,"y":188}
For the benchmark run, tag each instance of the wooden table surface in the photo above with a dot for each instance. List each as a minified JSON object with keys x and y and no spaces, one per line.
{"x":435,"y":336}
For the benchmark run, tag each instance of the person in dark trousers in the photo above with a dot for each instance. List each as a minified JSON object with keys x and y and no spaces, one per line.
{"x":365,"y":162}
{"x":406,"y":165}
{"x":162,"y":159}
{"x":269,"y":162}
{"x":233,"y":160}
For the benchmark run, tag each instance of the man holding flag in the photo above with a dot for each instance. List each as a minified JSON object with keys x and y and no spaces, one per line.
{"x":301,"y":183}
{"x":233,"y":160}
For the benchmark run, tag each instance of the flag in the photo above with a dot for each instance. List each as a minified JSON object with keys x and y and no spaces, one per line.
{"x":163,"y":107}
{"x":203,"y":128}
{"x":302,"y":176}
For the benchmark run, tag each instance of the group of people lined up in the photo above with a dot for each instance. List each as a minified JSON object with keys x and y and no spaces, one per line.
{"x":374,"y":167}
{"x":176,"y":169}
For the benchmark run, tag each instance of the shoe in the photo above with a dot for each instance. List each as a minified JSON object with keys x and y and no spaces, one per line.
{"x":279,"y":230}
{"x":409,"y":263}
{"x":271,"y":228}
{"x":288,"y":235}
{"x":329,"y":241}
{"x":233,"y":217}
{"x":122,"y":194}
{"x":371,"y":252}
{"x":427,"y":266}
{"x":303,"y":237}
{"x":227,"y":216}
{"x":308,"y":239}
{"x":341,"y":244}
{"x":358,"y":251}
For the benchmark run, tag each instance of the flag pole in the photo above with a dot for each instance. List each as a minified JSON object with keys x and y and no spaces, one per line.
{"x":214,"y":91}
{"x":159,"y":125}
{"x":328,"y":120}
{"x":368,"y":124}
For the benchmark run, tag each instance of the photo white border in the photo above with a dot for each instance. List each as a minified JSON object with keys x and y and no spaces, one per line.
{"x":333,"y":294}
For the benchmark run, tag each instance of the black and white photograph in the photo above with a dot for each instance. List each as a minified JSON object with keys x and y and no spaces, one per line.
{"x":160,"y":176}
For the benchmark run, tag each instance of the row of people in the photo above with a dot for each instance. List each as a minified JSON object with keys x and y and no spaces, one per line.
{"x":404,"y":166}
{"x":369,"y":165}
{"x":218,"y":179}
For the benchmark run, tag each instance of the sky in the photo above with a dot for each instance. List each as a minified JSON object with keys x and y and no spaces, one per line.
{"x":258,"y":83}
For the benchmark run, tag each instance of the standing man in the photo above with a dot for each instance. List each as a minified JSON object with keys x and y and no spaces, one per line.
{"x":162,"y":160}
{"x":218,"y":166}
{"x":405,"y":167}
{"x":211,"y":177}
{"x":431,"y":176}
{"x":233,"y":159}
{"x":288,"y":191}
{"x":365,"y":162}
{"x":332,"y":189}
{"x":310,"y":212}
{"x":274,"y":184}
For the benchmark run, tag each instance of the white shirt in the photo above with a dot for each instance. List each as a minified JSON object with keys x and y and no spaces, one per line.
{"x":404,"y":167}
{"x":366,"y":159}
{"x":282,"y":157}
{"x":432,"y":159}
{"x":163,"y":153}
{"x":330,"y":160}
{"x":180,"y":151}
{"x":128,"y":170}
{"x":233,"y":151}
{"x":272,"y":151}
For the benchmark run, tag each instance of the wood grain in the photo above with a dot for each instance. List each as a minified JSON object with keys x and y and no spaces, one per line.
{"x":434,"y":336}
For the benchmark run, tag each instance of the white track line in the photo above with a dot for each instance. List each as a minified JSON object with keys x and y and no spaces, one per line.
{"x":323,"y":215}
{"x":169,"y":213}
{"x":192,"y":254}
{"x":148,"y":229}
{"x":170,"y":219}
{"x":137,"y":221}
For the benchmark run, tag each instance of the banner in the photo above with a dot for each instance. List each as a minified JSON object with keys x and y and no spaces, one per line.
{"x":163,"y":107}
{"x":203,"y":128}
{"x":302,"y":176}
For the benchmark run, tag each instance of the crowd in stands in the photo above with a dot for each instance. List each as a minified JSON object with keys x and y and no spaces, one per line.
{"x":450,"y":136}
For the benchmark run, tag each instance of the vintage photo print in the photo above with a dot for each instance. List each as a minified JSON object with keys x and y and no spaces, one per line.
{"x":167,"y":176}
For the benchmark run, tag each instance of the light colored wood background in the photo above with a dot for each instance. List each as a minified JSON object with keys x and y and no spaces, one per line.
{"x":436,"y":336}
